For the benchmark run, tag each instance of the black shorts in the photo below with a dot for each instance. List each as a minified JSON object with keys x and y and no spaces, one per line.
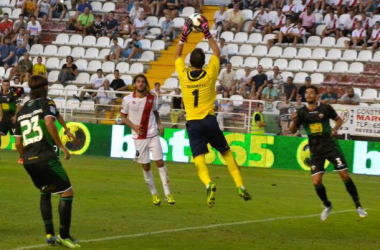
{"x":49,"y":176}
{"x":335,"y":157}
{"x":287,"y":39}
{"x":202,"y":132}
{"x":359,"y":43}
{"x":6,"y":125}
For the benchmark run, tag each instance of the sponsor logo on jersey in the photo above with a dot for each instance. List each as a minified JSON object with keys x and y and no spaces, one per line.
{"x":321,"y":116}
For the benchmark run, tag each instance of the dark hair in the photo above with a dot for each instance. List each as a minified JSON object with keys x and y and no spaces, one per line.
{"x":31,"y":16}
{"x":134,"y":33}
{"x":290,"y":77}
{"x":259,"y":104}
{"x":99,"y":16}
{"x":222,"y":39}
{"x":16,"y":78}
{"x":157,"y":83}
{"x":226,"y":91}
{"x":146,"y":81}
{"x":5,"y":80}
{"x":99,"y":70}
{"x":114,"y":39}
{"x":38,"y":57}
{"x":37,"y":85}
{"x":313,"y":87}
{"x":6,"y":14}
{"x":197,"y":58}
{"x":111,"y":12}
{"x":21,"y":15}
{"x":116,"y":70}
{"x":67,"y":58}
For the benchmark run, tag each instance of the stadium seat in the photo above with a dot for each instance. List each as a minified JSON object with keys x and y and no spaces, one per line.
{"x":94,"y":65}
{"x":187,"y":11}
{"x":325,"y":67}
{"x":36,"y":49}
{"x":87,"y":105}
{"x":375,"y":105}
{"x":178,"y":22}
{"x":232,"y":49}
{"x":136,"y":68}
{"x":363,"y":104}
{"x":245,"y":50}
{"x":146,"y":44}
{"x":340,"y":42}
{"x":82,"y":65}
{"x":299,"y":78}
{"x":289,"y":53}
{"x":364,"y":56}
{"x":275,"y":52}
{"x":313,"y":41}
{"x":50,"y":50}
{"x":108,"y":6}
{"x":53,"y":76}
{"x":153,"y":21}
{"x":272,"y":16}
{"x":268,"y":37}
{"x":108,"y":67}
{"x":356,"y":68}
{"x":89,"y":41}
{"x":358,"y":91}
{"x":64,"y":51}
{"x":160,"y":21}
{"x":71,"y":90}
{"x":96,"y":6}
{"x":362,"y":82}
{"x":236,"y":61}
{"x":310,"y":66}
{"x":75,"y":40}
{"x":248,"y":14}
{"x":102,"y":42}
{"x":267,"y":63}
{"x":318,"y":53}
{"x":328,"y":42}
{"x":72,"y":104}
{"x":320,"y":29}
{"x":260,"y":50}
{"x":170,"y":83}
{"x":340,"y":67}
{"x":295,"y":65}
{"x":316,"y":78}
{"x":146,"y":56}
{"x":239,"y":73}
{"x":334,"y":54}
{"x":153,"y":33}
{"x":240,"y":37}
{"x":158,"y":45}
{"x":91,"y":53}
{"x":237,"y":100}
{"x":103,"y":53}
{"x":251,"y":62}
{"x":55,"y":90}
{"x":59,"y":103}
{"x":254,"y":38}
{"x":281,"y":63}
{"x":204,"y":46}
{"x":304,"y":53}
{"x":349,"y":55}
{"x":376,"y":57}
{"x":331,"y":79}
{"x":127,"y":79}
{"x":52,"y":63}
{"x":110,"y":77}
{"x":227,"y":35}
{"x":346,"y":80}
{"x":342,"y":18}
{"x":78,"y":52}
{"x":286,"y":74}
{"x":165,"y":108}
{"x":82,"y":78}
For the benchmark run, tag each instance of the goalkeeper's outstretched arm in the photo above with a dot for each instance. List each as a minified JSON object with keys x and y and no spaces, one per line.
{"x":214,"y":46}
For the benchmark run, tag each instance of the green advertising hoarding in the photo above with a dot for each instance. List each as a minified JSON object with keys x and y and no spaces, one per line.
{"x":250,"y":150}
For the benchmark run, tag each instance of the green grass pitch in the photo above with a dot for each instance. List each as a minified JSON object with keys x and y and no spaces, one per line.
{"x":112,"y":200}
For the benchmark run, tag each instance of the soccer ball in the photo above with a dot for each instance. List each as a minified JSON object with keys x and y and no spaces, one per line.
{"x":196,"y":24}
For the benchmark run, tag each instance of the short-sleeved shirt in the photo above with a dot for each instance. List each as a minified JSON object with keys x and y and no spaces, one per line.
{"x":110,"y":24}
{"x":25,"y":66}
{"x":81,"y":7}
{"x":198,"y":88}
{"x":34,"y":29}
{"x":24,"y":24}
{"x":140,"y":112}
{"x":259,"y":80}
{"x":355,"y":98}
{"x":329,"y":97}
{"x":238,"y":18}
{"x":73,"y":67}
{"x":31,"y":126}
{"x":98,"y":82}
{"x":317,"y":126}
{"x":5,"y":50}
{"x":117,"y":84}
{"x":105,"y":98}
{"x":307,"y":21}
{"x":6,"y":25}
{"x":228,"y":79}
{"x":361,"y":33}
{"x":86,"y":20}
{"x":301,"y":92}
{"x":263,"y":19}
{"x":220,"y":17}
{"x":288,"y":89}
{"x":39,"y":69}
{"x":141,"y":23}
{"x":167,"y":26}
{"x":9,"y":102}
{"x":269,"y":93}
{"x":286,"y":30}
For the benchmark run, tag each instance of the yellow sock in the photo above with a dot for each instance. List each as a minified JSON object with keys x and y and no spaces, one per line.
{"x":233,"y":168}
{"x":202,"y":170}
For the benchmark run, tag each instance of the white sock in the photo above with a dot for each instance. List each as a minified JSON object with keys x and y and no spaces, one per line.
{"x":164,"y":174}
{"x":149,"y":180}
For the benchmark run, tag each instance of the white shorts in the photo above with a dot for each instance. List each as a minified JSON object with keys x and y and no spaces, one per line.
{"x":146,"y":146}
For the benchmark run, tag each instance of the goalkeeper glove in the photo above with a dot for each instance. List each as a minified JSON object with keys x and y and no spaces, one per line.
{"x":186,"y":30}
{"x":205,"y":28}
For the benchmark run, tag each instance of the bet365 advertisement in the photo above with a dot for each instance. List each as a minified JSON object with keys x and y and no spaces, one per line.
{"x":250,"y":150}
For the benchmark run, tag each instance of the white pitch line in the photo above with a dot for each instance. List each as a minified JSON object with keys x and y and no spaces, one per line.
{"x":193,"y":228}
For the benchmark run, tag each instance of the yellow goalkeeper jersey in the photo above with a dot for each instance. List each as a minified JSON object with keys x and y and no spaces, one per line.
{"x":198,"y":88}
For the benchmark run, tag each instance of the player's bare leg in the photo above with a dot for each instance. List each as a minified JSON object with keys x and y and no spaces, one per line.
{"x":202,"y":170}
{"x":149,"y":180}
{"x":164,"y":175}
{"x":321,"y":191}
{"x":351,"y":189}
{"x":234,"y":170}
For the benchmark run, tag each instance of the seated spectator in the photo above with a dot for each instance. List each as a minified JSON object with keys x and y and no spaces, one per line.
{"x":227,"y":80}
{"x":279,"y":21}
{"x":157,"y":91}
{"x":198,"y":3}
{"x":125,"y":27}
{"x":82,"y":6}
{"x":29,"y":8}
{"x":69,"y":71}
{"x":23,"y":69}
{"x":332,"y":27}
{"x":261,"y":22}
{"x":235,"y":20}
{"x":367,"y":22}
{"x":243,"y":82}
{"x":252,"y":4}
{"x":171,"y":7}
{"x":6,"y":24}
{"x":338,"y":6}
{"x":58,"y":10}
{"x":39,"y":68}
{"x":320,"y":6}
{"x":289,"y":10}
{"x":375,"y":38}
{"x":301,"y":97}
{"x":133,"y":49}
{"x":17,"y":88}
{"x":167,"y":29}
{"x":85,"y":22}
{"x":98,"y":26}
{"x":118,"y":84}
{"x":7,"y":53}
{"x":284,"y":36}
{"x":269,"y":92}
{"x":19,"y":4}
{"x":329,"y":97}
{"x":257,"y":82}
{"x":298,"y":34}
{"x":121,"y":6}
{"x":225,"y":107}
{"x":34,"y":29}
{"x":115,"y":51}
{"x":43,"y":8}
{"x":140,"y":25}
{"x":350,"y":98}
{"x":111,"y":26}
{"x":156,"y":6}
{"x":21,"y":41}
{"x":358,"y":36}
{"x":365,"y":5}
{"x":220,"y":18}
{"x":239,"y":3}
{"x":349,"y":24}
{"x":104,"y":98}
{"x":97,"y":82}
{"x":223,"y":51}
{"x":135,"y":11}
{"x":308,"y":20}
{"x":277,"y":79}
{"x":19,"y":23}
{"x":290,"y":90}
{"x":176,"y":108}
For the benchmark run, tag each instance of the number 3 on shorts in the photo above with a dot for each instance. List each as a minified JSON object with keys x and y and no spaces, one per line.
{"x":338,"y":161}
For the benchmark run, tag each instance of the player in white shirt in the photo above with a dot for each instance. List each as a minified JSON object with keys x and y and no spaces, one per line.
{"x":261,"y":22}
{"x":279,"y":21}
{"x":357,"y":37}
{"x":375,"y":38}
{"x":298,"y":34}
{"x":97,"y":82}
{"x":283,"y":36}
{"x":332,"y":27}
{"x":139,"y":112}
{"x":349,"y":24}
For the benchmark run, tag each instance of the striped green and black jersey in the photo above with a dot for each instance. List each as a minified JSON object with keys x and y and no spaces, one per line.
{"x":31,"y":126}
{"x":317,"y":126}
{"x":9,"y":102}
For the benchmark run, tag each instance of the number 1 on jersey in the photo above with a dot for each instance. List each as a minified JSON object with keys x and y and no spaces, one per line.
{"x":196,"y":97}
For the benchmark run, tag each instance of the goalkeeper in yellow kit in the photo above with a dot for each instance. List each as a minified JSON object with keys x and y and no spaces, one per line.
{"x":198,"y":91}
